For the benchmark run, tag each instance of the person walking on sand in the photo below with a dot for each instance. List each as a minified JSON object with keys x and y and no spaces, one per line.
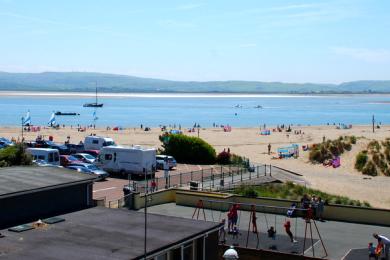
{"x":269,"y":148}
{"x":386,"y":243}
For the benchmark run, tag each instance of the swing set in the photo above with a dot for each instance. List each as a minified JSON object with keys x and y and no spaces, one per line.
{"x":306,"y":214}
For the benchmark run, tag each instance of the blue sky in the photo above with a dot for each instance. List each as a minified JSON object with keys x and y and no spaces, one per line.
{"x":280,"y":40}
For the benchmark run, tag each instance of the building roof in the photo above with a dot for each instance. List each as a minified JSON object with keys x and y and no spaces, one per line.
{"x":16,"y":180}
{"x":101,"y":233}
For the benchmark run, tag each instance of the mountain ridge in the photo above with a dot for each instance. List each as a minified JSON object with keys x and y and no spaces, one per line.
{"x":85,"y":82}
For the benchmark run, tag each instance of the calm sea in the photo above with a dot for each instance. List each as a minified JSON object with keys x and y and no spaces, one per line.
{"x":169,"y":109}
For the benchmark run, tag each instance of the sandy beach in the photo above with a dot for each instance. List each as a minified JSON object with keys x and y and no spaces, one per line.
{"x":248,"y":142}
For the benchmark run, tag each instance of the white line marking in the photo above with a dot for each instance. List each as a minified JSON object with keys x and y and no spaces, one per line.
{"x":310,"y":247}
{"x":111,"y":188}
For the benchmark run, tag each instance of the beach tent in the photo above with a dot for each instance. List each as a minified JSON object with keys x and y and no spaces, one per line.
{"x":265,"y":132}
{"x":289,"y":151}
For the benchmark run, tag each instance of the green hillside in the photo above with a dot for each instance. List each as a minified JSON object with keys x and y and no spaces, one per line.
{"x":85,"y":82}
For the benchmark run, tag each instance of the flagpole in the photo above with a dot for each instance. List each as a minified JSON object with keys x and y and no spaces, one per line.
{"x":22,"y":128}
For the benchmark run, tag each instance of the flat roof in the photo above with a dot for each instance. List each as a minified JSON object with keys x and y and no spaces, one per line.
{"x":101,"y":233}
{"x":15,"y":180}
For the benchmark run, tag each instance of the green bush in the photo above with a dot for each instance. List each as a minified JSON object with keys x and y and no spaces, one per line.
{"x":14,"y":155}
{"x":223,"y":158}
{"x":347,"y":146}
{"x":352,"y":139}
{"x":188,"y":149}
{"x":361,"y":160}
{"x":374,"y":146}
{"x":370,"y":169}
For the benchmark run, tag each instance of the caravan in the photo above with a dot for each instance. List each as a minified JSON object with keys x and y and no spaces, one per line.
{"x":134,"y":160}
{"x":46,"y":155}
{"x":97,"y":142}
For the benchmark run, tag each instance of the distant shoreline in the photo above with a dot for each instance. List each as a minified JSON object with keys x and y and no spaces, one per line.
{"x":5,"y":93}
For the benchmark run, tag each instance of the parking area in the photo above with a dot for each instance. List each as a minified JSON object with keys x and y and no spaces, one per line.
{"x":112,"y":188}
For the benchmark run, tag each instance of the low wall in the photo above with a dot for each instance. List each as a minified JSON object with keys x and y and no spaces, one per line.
{"x":352,"y":214}
{"x":155,"y":198}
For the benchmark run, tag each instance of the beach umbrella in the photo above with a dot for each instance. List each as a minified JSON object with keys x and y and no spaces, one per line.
{"x":52,"y":120}
{"x":27,"y":119}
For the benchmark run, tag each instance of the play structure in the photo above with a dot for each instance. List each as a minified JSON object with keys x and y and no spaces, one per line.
{"x":265,"y":236}
{"x":288,"y":151}
{"x":265,"y":132}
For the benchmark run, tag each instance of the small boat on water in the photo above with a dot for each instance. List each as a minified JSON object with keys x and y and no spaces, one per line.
{"x":95,"y":104}
{"x":258,"y":106}
{"x":238,"y":106}
{"x":59,"y":113}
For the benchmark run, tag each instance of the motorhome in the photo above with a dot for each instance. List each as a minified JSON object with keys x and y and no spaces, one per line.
{"x":134,"y":160}
{"x":97,"y":142}
{"x":46,"y":155}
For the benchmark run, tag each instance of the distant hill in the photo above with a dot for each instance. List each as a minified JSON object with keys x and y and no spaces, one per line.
{"x":85,"y":82}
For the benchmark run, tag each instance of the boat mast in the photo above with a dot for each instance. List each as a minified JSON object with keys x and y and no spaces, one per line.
{"x":96,"y":101}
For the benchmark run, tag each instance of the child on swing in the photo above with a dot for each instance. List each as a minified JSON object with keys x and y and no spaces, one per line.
{"x":287,"y":227}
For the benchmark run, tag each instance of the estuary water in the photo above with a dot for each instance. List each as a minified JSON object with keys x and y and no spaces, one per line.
{"x":239,"y":110}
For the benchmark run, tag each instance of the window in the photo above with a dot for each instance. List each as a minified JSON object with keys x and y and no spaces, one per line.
{"x":56,"y":157}
{"x":108,"y":157}
{"x":51,"y":157}
{"x":95,"y":141}
{"x":41,"y":157}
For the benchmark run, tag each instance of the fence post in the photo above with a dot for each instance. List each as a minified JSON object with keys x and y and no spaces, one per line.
{"x":250,"y":175}
{"x":202,"y":179}
{"x":241,"y":175}
{"x":212,"y":177}
{"x":181,"y":179}
{"x":270,"y":170}
{"x":265,"y":169}
{"x":169,"y":181}
{"x":232,"y":176}
{"x":257,"y":170}
{"x":191,"y":176}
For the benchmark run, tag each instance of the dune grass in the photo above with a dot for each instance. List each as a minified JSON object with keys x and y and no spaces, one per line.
{"x":293,"y":191}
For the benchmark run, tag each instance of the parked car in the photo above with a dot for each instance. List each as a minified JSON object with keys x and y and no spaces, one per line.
{"x":4,"y":142}
{"x":65,"y":160}
{"x":87,"y":158}
{"x":97,"y":142}
{"x":94,"y":153}
{"x":160,"y":160}
{"x":90,"y":169}
{"x":46,"y":155}
{"x":62,"y":149}
{"x":75,"y":148}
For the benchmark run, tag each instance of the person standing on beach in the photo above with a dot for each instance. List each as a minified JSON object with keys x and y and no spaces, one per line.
{"x":385,"y":241}
{"x":269,"y":149}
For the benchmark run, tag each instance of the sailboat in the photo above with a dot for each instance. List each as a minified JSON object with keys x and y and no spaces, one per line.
{"x":52,"y":120}
{"x":27,"y":119}
{"x":95,"y":104}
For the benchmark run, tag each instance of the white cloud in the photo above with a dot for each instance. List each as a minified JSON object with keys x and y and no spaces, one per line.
{"x":363,"y":54}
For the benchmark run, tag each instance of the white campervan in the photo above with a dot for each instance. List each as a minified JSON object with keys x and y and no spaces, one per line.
{"x":46,"y":155}
{"x":134,"y":160}
{"x":97,"y":142}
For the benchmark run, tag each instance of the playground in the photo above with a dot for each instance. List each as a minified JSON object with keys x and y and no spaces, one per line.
{"x":341,"y":239}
